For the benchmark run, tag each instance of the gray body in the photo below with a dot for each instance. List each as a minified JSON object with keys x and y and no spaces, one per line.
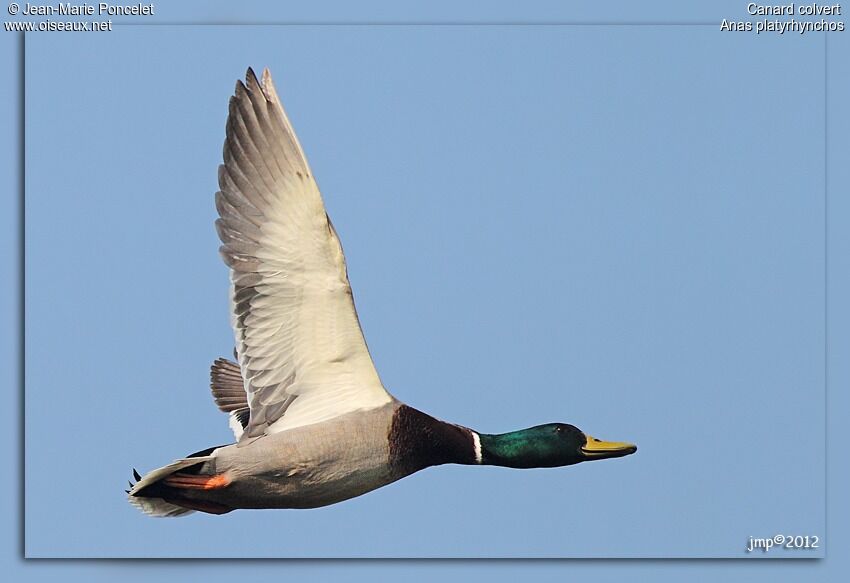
{"x":305,"y":467}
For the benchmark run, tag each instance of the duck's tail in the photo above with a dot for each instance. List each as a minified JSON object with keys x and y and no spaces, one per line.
{"x":161,"y":492}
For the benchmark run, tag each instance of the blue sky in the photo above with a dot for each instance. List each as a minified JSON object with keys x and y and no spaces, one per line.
{"x":542,"y":224}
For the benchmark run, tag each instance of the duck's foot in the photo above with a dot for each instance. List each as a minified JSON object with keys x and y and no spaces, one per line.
{"x":196,"y":482}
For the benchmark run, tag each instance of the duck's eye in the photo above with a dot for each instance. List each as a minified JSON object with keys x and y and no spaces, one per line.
{"x":559,"y":429}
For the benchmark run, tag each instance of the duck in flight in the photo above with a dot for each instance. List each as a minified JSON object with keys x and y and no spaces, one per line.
{"x":313,"y":423}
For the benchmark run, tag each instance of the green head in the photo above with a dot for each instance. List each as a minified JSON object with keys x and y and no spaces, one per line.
{"x":548,"y":446}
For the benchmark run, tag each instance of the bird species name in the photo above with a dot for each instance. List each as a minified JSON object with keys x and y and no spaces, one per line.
{"x":798,"y":25}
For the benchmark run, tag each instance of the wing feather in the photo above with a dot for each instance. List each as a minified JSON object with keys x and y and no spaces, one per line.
{"x":301,"y":352}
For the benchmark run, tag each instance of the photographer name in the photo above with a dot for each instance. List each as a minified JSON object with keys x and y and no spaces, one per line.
{"x":100,"y":9}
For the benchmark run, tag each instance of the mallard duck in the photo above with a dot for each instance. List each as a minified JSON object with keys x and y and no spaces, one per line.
{"x":312,"y":421}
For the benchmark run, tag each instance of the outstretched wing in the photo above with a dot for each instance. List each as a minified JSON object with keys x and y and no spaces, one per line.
{"x":301,"y":352}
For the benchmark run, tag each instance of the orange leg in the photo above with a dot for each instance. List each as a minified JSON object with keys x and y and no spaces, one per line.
{"x":195,"y":482}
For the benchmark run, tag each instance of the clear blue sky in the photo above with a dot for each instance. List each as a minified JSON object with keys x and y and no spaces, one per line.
{"x":617,"y":227}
